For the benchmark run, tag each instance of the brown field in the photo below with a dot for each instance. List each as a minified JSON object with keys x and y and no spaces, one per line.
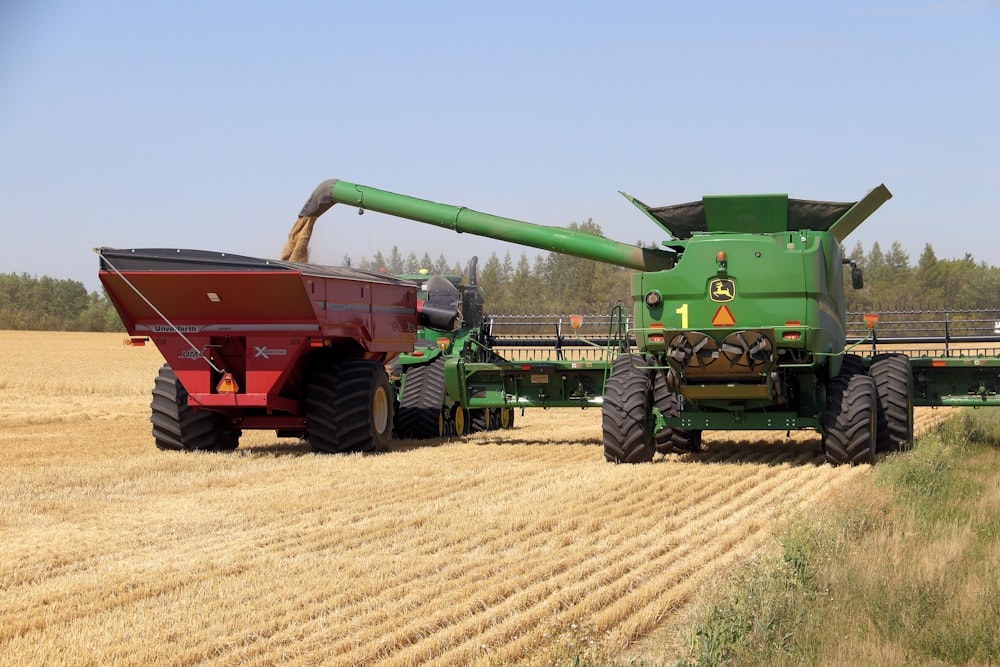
{"x":518,"y":547}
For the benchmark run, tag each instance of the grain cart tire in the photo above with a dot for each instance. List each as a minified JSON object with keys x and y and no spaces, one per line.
{"x":894,"y":383}
{"x":419,"y":414}
{"x":850,"y":420}
{"x":349,"y":406}
{"x":628,"y":399}
{"x":178,"y":426}
{"x":672,"y":440}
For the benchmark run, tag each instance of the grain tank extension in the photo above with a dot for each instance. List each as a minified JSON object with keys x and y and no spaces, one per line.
{"x":739,"y":321}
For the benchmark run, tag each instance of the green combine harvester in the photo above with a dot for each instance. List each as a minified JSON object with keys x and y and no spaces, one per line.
{"x":737,"y":322}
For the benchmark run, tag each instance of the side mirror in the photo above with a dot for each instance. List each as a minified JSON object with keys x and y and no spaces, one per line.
{"x":857,"y":280}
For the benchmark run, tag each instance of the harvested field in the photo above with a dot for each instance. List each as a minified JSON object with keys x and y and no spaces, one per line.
{"x":507,"y":547}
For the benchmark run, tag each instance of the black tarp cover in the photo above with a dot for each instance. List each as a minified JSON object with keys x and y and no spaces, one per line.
{"x":683,"y":220}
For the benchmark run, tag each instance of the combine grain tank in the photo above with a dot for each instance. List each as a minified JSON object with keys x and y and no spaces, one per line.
{"x":262,"y":344}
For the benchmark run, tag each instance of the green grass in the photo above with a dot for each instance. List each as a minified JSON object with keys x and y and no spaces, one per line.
{"x":902,"y":568}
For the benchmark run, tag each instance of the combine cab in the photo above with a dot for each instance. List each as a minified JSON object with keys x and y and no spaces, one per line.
{"x":262,"y":344}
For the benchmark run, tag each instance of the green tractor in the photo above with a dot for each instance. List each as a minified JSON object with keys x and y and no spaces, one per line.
{"x":452,"y":327}
{"x":738,"y":322}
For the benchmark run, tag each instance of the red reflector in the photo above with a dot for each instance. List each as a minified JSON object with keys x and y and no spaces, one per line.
{"x":938,"y":363}
{"x":656,"y":325}
{"x":791,"y":335}
{"x":227,"y":385}
{"x":793,"y":323}
{"x":525,"y":367}
{"x":135,"y":341}
{"x":418,"y":353}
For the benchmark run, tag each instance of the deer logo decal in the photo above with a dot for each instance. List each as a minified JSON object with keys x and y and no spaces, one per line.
{"x":722,"y":289}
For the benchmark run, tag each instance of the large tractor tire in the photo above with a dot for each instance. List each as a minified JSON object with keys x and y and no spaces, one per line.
{"x":850,"y":420}
{"x":672,"y":440}
{"x":348,"y":406}
{"x":180,"y":427}
{"x":894,"y":383}
{"x":419,"y":414}
{"x":628,"y":399}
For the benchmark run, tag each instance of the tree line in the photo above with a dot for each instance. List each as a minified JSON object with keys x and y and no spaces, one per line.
{"x":49,"y":304}
{"x":552,"y":283}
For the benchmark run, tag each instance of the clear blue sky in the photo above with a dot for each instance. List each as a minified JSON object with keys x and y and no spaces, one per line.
{"x":207,"y":124}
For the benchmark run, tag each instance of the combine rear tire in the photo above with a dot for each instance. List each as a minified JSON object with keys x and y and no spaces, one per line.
{"x":178,"y":426}
{"x":420,"y":405}
{"x":628,"y":397}
{"x":349,"y":407}
{"x":850,"y":420}
{"x":894,"y":382}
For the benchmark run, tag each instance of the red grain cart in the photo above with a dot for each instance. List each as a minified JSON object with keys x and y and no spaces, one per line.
{"x":263,"y":344}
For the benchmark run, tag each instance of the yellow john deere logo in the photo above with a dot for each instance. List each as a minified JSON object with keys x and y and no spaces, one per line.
{"x":722,"y":289}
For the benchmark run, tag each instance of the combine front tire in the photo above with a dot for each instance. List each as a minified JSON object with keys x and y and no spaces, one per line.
{"x":420,"y":405}
{"x":349,"y":407}
{"x":894,"y":382}
{"x":850,"y":420}
{"x":626,"y":413}
{"x":672,"y":440}
{"x":178,"y":426}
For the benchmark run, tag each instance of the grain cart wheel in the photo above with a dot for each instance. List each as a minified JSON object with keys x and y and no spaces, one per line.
{"x":628,"y":399}
{"x":420,"y":405}
{"x":850,"y":420}
{"x":671,"y":440}
{"x":177,"y":426}
{"x":894,"y":383}
{"x":349,"y":406}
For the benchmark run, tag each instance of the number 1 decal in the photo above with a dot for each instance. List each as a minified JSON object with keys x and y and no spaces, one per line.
{"x":683,"y":312}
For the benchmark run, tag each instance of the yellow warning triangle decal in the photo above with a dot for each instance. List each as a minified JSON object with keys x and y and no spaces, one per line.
{"x":723,"y":318}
